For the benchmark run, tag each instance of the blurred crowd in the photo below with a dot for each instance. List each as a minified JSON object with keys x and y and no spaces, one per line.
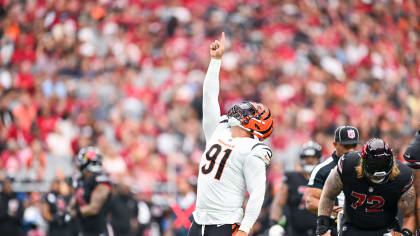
{"x":126,"y":76}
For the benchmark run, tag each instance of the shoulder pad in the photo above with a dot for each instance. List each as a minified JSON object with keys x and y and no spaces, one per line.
{"x":353,"y":158}
{"x":223,"y":119}
{"x":352,"y":154}
{"x":51,"y":197}
{"x":263,"y":152}
{"x":408,"y":184}
{"x":406,"y":174}
{"x":102,"y":178}
{"x":412,"y":153}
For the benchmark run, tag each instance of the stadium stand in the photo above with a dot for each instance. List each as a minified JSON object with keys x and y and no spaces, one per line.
{"x":126,"y":76}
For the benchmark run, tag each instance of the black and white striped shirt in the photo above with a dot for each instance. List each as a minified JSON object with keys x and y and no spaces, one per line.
{"x":320,"y":174}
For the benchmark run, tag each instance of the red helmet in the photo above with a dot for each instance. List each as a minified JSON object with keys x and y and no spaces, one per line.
{"x":253,"y":117}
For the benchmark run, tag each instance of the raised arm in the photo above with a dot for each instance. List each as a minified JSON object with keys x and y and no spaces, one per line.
{"x":211,"y":108}
{"x":332,"y":188}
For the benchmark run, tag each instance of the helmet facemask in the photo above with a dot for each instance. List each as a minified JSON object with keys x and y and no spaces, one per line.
{"x":241,"y":113}
{"x":308,"y":168}
{"x":377,"y":172}
{"x":253,"y":117}
{"x":308,"y":150}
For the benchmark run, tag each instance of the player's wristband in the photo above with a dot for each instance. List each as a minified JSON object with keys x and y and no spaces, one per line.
{"x":406,"y":232}
{"x":323,"y":224}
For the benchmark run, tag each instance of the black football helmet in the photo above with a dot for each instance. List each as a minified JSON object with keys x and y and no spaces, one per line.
{"x":89,"y":159}
{"x":377,"y":161}
{"x":309,"y":149}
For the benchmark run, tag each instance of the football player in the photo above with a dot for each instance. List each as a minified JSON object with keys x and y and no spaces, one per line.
{"x":234,"y":161}
{"x":346,"y":139}
{"x":54,"y":210}
{"x":11,"y":209}
{"x":375,"y":185}
{"x":412,"y":156}
{"x":92,"y":201}
{"x":300,"y":221}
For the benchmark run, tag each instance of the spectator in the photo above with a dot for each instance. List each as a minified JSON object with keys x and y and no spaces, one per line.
{"x":25,"y":113}
{"x":32,"y":217}
{"x":6,"y":115}
{"x":54,"y":209}
{"x":11,"y":210}
{"x":73,"y":71}
{"x":10,"y":161}
{"x":182,"y":207}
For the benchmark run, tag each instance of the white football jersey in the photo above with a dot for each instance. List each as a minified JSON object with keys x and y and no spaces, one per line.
{"x":229,"y":168}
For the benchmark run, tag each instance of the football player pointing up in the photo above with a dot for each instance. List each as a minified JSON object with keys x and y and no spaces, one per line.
{"x":234,"y":161}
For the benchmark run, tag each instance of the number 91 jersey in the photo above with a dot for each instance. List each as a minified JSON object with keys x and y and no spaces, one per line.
{"x":370,"y":206}
{"x":227,"y":167}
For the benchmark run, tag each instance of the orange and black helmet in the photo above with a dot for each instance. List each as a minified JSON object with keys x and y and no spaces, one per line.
{"x":254,"y":117}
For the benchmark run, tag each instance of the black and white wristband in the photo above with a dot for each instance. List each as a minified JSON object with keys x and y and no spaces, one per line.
{"x":406,"y":232}
{"x":323,"y":224}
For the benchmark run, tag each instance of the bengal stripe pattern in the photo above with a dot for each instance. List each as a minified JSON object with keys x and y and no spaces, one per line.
{"x":261,"y":123}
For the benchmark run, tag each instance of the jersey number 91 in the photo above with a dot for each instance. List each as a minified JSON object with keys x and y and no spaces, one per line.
{"x":211,"y":155}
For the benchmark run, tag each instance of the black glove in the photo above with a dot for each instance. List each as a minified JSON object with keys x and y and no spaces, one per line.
{"x":323,"y":224}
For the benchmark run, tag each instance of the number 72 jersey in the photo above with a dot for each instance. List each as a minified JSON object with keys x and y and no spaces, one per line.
{"x":371,"y":206}
{"x":228,"y":166}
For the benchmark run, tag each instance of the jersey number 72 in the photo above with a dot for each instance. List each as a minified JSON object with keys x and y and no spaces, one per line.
{"x":211,"y":156}
{"x":376,"y":203}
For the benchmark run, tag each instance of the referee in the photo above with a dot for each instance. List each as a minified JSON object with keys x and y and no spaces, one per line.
{"x":346,"y":139}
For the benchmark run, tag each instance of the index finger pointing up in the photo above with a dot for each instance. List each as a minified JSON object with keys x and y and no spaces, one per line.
{"x":222,"y":40}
